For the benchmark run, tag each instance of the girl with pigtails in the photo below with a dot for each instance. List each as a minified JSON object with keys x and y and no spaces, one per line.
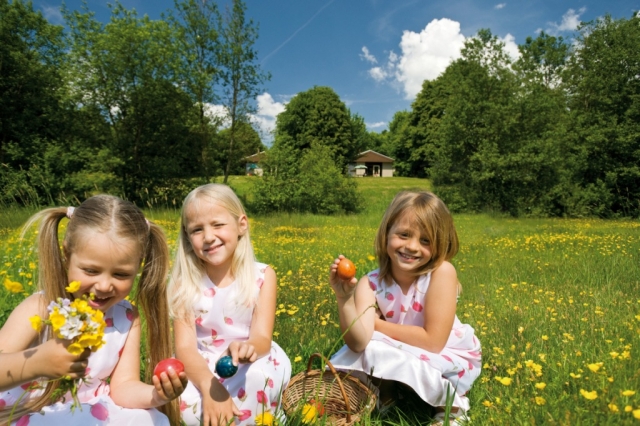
{"x":105,"y":243}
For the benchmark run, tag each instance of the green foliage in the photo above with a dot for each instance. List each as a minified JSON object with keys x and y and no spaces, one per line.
{"x":319,"y":116}
{"x":310,"y":184}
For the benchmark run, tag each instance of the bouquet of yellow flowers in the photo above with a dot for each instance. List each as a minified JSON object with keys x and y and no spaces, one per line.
{"x":73,"y":320}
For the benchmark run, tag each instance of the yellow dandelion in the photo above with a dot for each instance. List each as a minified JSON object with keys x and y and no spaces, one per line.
{"x":613,"y":408}
{"x":370,"y":257}
{"x":628,"y":408}
{"x":487,"y":403}
{"x":504,"y":380}
{"x":595,"y":366}
{"x":309,"y":413}
{"x":628,"y":393}
{"x":614,"y":354}
{"x":297,"y":359}
{"x":545,"y":337}
{"x":12,"y":286}
{"x":636,"y":413}
{"x":73,"y":287}
{"x":541,"y":386}
{"x":265,"y":419}
{"x":540,"y":400}
{"x":590,"y":395}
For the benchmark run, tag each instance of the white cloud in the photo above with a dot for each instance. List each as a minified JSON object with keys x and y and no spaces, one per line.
{"x":499,"y":6}
{"x":378,"y":74}
{"x":52,"y":14}
{"x":570,"y":21}
{"x":425,"y":55}
{"x":376,"y":125}
{"x":511,"y":47}
{"x":368,"y":56}
{"x":265,"y":117}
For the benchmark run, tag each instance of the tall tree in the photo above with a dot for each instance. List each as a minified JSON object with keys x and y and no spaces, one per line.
{"x":240,"y":74}
{"x":319,"y":115}
{"x":196,"y":23}
{"x":604,"y":100}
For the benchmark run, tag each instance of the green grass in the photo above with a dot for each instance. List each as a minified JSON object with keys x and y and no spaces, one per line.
{"x":553,"y":301}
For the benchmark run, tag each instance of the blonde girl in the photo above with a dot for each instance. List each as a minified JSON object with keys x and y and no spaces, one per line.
{"x":105,"y":243}
{"x":223,"y":303}
{"x":400,"y":319}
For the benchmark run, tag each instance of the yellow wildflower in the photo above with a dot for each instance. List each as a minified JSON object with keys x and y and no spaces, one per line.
{"x":541,"y":386}
{"x":265,"y":419}
{"x":73,"y":286}
{"x":487,"y":403}
{"x":613,"y":407}
{"x":297,"y":359}
{"x":540,"y":400}
{"x":36,"y":322}
{"x":595,"y":366}
{"x":636,"y":413}
{"x":628,"y":393}
{"x":628,"y":408}
{"x":504,"y":380}
{"x":545,"y":337}
{"x":590,"y":395}
{"x":12,"y":286}
{"x":309,"y":413}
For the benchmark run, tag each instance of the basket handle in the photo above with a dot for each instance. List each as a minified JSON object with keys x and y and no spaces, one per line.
{"x":337,"y":377}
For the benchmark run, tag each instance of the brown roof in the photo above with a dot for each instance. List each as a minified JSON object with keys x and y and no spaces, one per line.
{"x":373,"y":157}
{"x":255,"y":158}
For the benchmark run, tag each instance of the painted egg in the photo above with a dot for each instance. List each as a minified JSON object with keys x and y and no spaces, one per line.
{"x":225,"y":367}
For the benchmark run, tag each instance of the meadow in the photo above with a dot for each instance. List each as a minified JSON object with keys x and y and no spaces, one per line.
{"x":555,"y":302}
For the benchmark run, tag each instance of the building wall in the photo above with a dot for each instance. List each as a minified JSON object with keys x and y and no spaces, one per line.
{"x":387,"y":169}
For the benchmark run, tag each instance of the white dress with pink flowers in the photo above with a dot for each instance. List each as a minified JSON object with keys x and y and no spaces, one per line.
{"x":428,"y":374}
{"x":256,"y":387}
{"x":97,"y":408}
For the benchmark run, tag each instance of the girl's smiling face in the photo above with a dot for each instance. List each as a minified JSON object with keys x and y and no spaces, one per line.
{"x":407,"y":247}
{"x":105,"y":265}
{"x":213,"y":232}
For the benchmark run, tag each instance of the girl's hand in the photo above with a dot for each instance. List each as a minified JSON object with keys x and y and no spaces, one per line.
{"x":218,"y":408}
{"x":168,"y":386}
{"x":241,"y":352}
{"x":342,"y":289}
{"x":55,"y":360}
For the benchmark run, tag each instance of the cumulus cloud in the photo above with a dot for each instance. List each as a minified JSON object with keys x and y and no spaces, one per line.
{"x":511,"y":47}
{"x":499,"y":6}
{"x":424,"y":56}
{"x":265,"y":117}
{"x":368,"y":56}
{"x":52,"y":14}
{"x":376,"y":125}
{"x":570,"y":21}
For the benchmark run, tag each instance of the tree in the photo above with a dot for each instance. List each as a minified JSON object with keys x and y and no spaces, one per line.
{"x":318,"y":115}
{"x":604,"y":103}
{"x":31,"y":108}
{"x":240,"y":75}
{"x":196,"y":24}
{"x":126,"y":71}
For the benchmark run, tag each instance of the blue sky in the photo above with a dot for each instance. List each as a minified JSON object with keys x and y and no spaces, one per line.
{"x":375,"y":53}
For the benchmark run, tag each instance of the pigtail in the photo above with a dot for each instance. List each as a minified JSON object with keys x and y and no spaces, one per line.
{"x":151,"y":296}
{"x":52,"y":280}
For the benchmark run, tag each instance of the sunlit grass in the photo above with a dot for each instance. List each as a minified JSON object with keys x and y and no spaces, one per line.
{"x":555,"y":303}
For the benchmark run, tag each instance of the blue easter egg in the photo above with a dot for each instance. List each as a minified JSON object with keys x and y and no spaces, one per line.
{"x":225,"y":367}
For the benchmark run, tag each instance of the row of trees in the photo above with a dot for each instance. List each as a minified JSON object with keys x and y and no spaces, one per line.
{"x":557,"y":132}
{"x":121,"y":107}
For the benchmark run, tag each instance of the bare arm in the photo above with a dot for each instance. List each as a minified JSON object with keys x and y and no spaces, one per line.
{"x":355,"y":308}
{"x":126,"y":388}
{"x":439,"y":314}
{"x":217,"y":404}
{"x":20,"y":362}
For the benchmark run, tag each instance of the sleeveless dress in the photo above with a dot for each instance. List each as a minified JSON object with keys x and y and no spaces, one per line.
{"x":97,"y":407}
{"x":428,"y":374}
{"x":256,"y":387}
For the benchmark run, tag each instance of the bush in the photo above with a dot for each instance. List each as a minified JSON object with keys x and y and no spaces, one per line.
{"x":312,"y":184}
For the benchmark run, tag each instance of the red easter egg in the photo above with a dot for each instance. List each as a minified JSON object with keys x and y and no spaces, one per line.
{"x":346,"y":270}
{"x":164,"y":365}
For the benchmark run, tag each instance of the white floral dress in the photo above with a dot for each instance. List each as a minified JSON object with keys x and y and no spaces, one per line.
{"x":97,"y":407}
{"x":428,"y":374}
{"x":256,"y":387}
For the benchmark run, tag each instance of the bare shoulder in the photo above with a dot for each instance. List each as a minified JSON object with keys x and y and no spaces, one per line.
{"x":36,"y":304}
{"x":446,"y":272}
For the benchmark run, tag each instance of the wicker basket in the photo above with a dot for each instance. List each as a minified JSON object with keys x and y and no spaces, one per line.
{"x":344,"y":397}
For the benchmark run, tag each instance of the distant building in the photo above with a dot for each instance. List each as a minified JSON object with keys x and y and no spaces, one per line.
{"x":252,"y":167}
{"x":373,"y":164}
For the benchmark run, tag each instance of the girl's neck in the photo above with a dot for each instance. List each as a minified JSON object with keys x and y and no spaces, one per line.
{"x":220,"y":275}
{"x":404,"y":280}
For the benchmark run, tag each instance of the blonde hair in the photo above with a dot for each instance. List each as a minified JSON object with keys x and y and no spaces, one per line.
{"x":185,"y":283}
{"x":106,"y":213}
{"x":433,"y":219}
